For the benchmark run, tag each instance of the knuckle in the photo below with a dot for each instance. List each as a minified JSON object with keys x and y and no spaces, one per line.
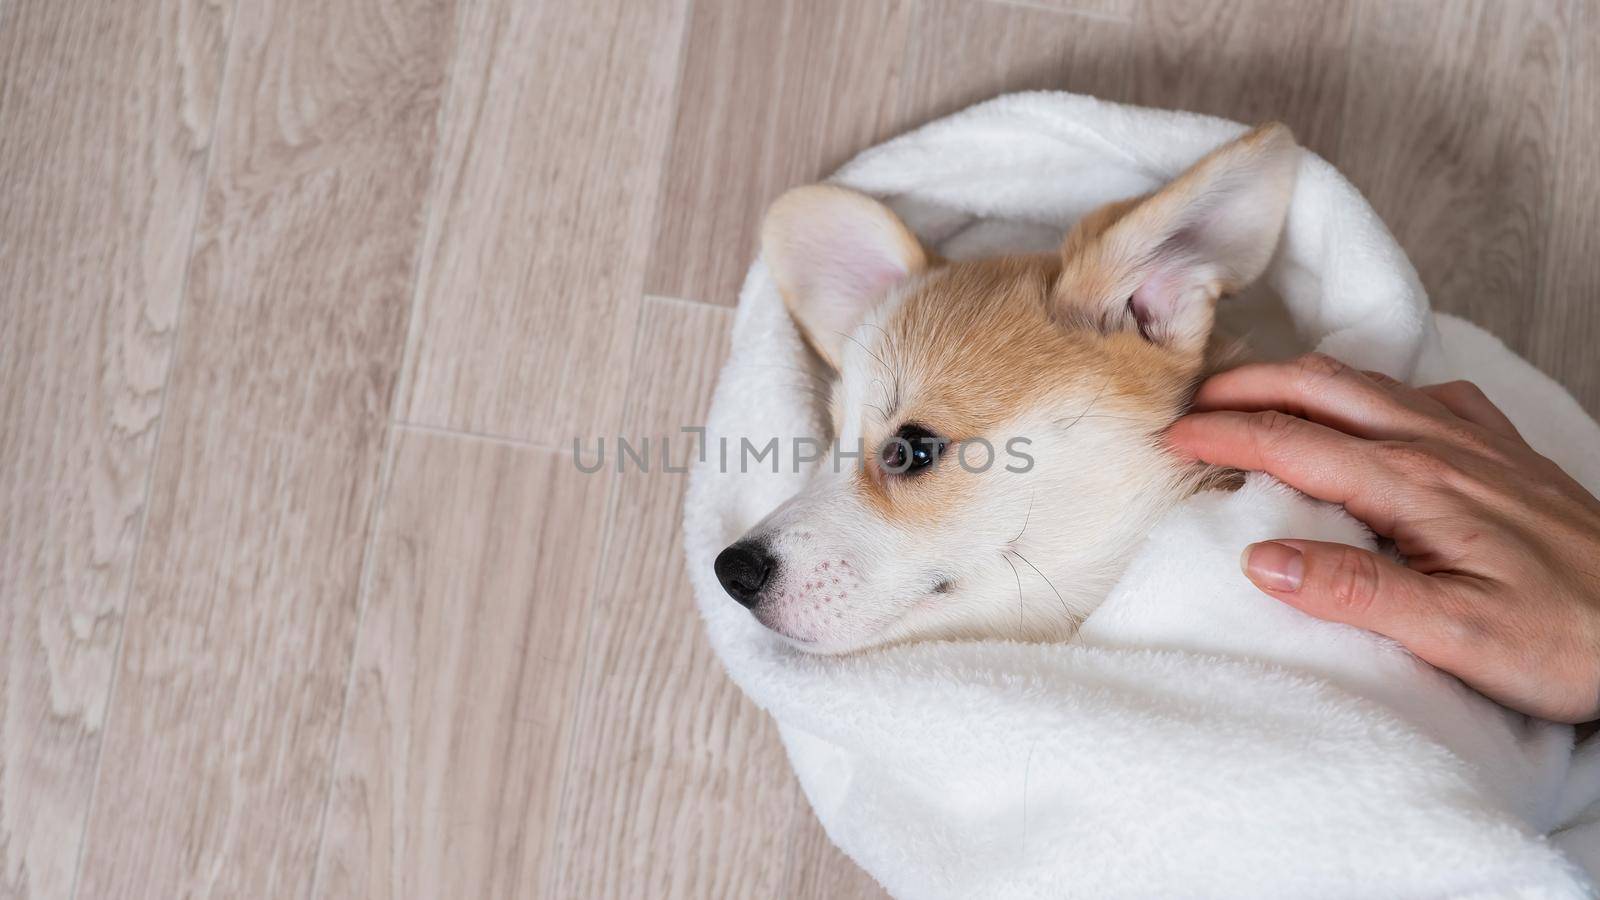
{"x":1408,"y":459}
{"x":1352,"y":581}
{"x":1387,"y":381}
{"x":1463,"y":390}
{"x":1472,"y":475}
{"x":1271,"y":428}
{"x":1467,"y":623}
{"x":1461,"y":628}
{"x":1319,"y":367}
{"x":1551,"y":475}
{"x":1469,"y":437}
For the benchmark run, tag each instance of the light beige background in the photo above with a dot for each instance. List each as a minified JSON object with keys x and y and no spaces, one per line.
{"x":302,"y":301}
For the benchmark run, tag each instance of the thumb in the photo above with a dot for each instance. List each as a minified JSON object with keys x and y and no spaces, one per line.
{"x":1340,"y":583}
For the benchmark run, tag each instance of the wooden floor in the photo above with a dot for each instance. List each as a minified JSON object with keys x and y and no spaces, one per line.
{"x":302,"y":302}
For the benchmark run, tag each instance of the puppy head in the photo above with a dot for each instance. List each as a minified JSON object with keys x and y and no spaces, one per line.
{"x":1007,"y":412}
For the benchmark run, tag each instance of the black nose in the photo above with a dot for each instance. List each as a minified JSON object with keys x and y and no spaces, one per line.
{"x":743,"y":570}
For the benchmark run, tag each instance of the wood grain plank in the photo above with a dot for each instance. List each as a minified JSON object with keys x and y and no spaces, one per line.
{"x":1123,"y":10}
{"x":679,"y":787}
{"x":1566,"y":322}
{"x":243,"y":615}
{"x":961,"y":52}
{"x":106,"y":113}
{"x":552,"y":153}
{"x":451,"y":762}
{"x":240,"y":626}
{"x":1451,"y":134}
{"x":1248,"y":60}
{"x":773,"y":95}
{"x":818,"y":870}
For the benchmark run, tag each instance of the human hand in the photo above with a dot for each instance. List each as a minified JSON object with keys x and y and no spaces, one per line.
{"x":1501,"y":585}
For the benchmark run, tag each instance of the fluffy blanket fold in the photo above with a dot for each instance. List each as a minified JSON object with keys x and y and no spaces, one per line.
{"x":1198,"y":738}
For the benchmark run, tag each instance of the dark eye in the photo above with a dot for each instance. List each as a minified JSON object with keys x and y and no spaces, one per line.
{"x":912,"y":449}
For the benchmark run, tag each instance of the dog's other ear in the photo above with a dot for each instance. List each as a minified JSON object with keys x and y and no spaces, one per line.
{"x":1158,"y":263}
{"x":834,"y":254}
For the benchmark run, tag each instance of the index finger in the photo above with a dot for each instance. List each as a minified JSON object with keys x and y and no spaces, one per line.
{"x":1326,"y":391}
{"x":1315,"y":459}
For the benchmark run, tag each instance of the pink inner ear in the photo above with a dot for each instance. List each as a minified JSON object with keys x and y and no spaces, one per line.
{"x":872,"y":273}
{"x":1155,"y":304}
{"x":865,"y":257}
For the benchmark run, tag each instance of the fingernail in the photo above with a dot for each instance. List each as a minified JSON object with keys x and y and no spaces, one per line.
{"x":1274,"y":566}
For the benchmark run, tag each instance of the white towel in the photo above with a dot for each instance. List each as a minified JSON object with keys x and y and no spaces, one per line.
{"x":1197,"y":739}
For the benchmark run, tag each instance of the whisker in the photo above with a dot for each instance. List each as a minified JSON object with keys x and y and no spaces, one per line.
{"x":883,"y":411}
{"x":885,"y":334}
{"x":1100,"y":416}
{"x":799,"y":386}
{"x":1018,"y":576}
{"x":1085,"y":411}
{"x":822,"y":398}
{"x":894,"y":399}
{"x":1027,"y":518}
{"x":852,"y":339}
{"x":1064,"y":608}
{"x":888,"y":343}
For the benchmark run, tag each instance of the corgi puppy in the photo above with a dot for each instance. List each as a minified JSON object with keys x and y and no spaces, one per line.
{"x":1078,"y":360}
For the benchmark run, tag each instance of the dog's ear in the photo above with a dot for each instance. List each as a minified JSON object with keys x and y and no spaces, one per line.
{"x":834,"y":253}
{"x":1158,"y":263}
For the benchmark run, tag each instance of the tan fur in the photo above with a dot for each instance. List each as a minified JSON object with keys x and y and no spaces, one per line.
{"x":974,"y":344}
{"x":1087,"y":354}
{"x":983,"y":341}
{"x":1107,"y":254}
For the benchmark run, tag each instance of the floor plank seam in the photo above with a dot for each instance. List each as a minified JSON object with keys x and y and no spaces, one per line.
{"x":465,"y":435}
{"x":403,"y":390}
{"x":390,"y":440}
{"x":368,"y":552}
{"x":658,"y":215}
{"x":1063,"y":11}
{"x":155,"y":453}
{"x":1465,"y":122}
